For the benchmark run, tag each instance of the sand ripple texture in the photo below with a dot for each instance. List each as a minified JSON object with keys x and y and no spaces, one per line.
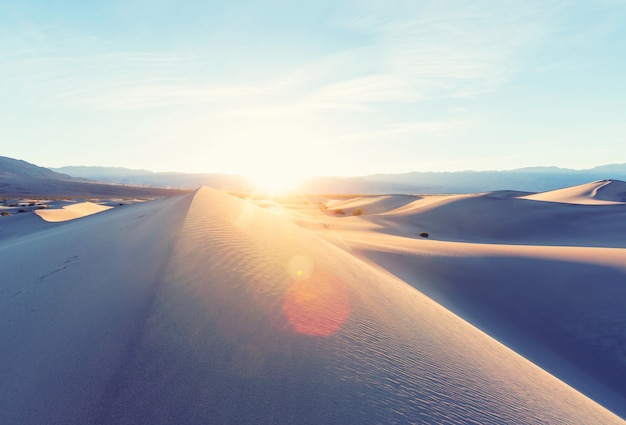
{"x":213,"y":310}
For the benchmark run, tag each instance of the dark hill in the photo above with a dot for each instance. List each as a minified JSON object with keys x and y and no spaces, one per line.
{"x":18,"y":168}
{"x":22,"y":179}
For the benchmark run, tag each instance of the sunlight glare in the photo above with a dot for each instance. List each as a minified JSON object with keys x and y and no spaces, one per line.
{"x":274,"y":182}
{"x":275,"y":160}
{"x":316,"y":303}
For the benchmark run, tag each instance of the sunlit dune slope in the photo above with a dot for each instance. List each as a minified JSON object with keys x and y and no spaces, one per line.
{"x":560,"y":306}
{"x":564,"y":308}
{"x":372,"y":204}
{"x":71,"y":212}
{"x":604,"y":192}
{"x":487,"y":218}
{"x":209,"y":309}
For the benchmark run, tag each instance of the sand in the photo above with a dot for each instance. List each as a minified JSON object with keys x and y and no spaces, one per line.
{"x":207,"y":308}
{"x":603,"y":192}
{"x":71,"y":212}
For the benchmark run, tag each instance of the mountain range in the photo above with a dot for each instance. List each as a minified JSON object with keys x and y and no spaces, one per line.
{"x":535,"y":179}
{"x":19,"y":177}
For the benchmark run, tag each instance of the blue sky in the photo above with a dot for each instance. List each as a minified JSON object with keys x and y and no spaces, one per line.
{"x":325,"y":87}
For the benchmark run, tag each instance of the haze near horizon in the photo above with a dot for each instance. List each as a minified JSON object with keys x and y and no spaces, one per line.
{"x":324,"y":88}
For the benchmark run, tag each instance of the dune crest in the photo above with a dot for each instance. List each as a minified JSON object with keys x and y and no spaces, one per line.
{"x":373,"y":204}
{"x":485,"y":218}
{"x":601,"y":192}
{"x":71,"y":212}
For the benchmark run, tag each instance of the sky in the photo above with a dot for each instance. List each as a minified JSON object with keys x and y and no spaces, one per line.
{"x":335,"y":87}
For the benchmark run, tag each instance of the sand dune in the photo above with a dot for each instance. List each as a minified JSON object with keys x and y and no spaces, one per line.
{"x":372,"y":204}
{"x":602,"y":192}
{"x":71,"y":212}
{"x":561,"y":306}
{"x":208,"y":309}
{"x":485,"y":218}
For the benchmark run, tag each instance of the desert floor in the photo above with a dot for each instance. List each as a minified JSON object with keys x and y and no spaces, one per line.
{"x":501,"y":307}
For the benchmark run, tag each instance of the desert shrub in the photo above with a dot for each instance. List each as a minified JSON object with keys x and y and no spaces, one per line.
{"x":21,"y":210}
{"x":357,"y":211}
{"x":424,"y":234}
{"x":339,"y":211}
{"x":4,"y":213}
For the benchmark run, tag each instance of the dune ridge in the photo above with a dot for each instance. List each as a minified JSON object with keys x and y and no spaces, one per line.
{"x":485,"y":218}
{"x":601,"y":192}
{"x":71,"y":212}
{"x":204,"y":322}
{"x":545,"y":278}
{"x":372,"y":204}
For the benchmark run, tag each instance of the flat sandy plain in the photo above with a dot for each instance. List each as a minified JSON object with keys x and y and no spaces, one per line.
{"x":493,"y":308}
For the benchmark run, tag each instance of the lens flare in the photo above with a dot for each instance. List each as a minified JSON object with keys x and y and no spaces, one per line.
{"x":317,"y":304}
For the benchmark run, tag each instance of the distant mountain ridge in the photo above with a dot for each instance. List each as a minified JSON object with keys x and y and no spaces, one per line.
{"x":173,"y":180}
{"x":99,"y":171}
{"x":535,"y":179}
{"x":530,"y":179}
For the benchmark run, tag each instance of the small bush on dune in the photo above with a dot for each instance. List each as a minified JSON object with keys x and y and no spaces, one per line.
{"x":339,"y":211}
{"x":4,"y":213}
{"x":357,"y":211}
{"x":424,"y":234}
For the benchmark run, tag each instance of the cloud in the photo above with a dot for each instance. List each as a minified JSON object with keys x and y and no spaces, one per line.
{"x":404,"y":131}
{"x":425,"y":50}
{"x":147,"y":95}
{"x":408,"y":52}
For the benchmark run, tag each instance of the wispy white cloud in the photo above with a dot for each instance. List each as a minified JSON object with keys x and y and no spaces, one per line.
{"x":404,"y":130}
{"x":59,"y":78}
{"x":412,"y":51}
{"x":148,"y":95}
{"x":424,"y":50}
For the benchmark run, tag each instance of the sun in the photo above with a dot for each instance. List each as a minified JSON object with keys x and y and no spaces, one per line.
{"x":275,"y":181}
{"x":278,"y":168}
